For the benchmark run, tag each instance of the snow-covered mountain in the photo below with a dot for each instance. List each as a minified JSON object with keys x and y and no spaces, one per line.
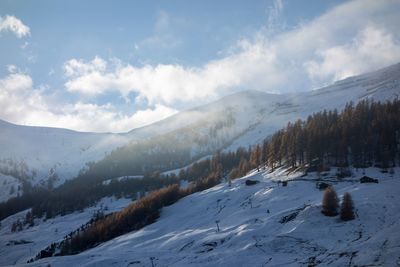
{"x":37,"y":153}
{"x":265,"y":224}
{"x":40,"y":153}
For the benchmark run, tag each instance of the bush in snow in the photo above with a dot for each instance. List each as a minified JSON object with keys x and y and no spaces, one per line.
{"x":330,"y":202}
{"x":347,"y":208}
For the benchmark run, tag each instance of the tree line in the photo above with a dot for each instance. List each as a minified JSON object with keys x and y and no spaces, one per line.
{"x":362,"y":135}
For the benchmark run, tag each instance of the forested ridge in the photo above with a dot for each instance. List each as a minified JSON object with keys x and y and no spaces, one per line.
{"x":362,"y":135}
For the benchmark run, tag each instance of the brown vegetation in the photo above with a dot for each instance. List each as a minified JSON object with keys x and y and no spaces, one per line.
{"x":330,"y":202}
{"x":347,"y":208}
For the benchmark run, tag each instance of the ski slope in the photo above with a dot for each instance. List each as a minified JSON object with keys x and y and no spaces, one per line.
{"x":259,"y":225}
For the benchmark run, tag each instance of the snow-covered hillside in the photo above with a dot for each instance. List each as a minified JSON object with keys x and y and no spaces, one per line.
{"x":37,"y":153}
{"x":240,"y":119}
{"x":265,"y":224}
{"x":18,"y":247}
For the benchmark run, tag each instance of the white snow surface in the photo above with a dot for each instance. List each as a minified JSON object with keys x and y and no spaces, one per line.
{"x":251,"y":233}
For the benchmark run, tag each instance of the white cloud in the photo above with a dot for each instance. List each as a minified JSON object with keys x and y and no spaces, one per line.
{"x":77,"y":67}
{"x":15,"y":81}
{"x":354,"y":37}
{"x":14,"y":25}
{"x":169,"y":84}
{"x":371,"y":47}
{"x":23,"y":104}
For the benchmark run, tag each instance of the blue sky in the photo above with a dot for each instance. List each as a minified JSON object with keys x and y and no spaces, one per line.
{"x":113,"y":66}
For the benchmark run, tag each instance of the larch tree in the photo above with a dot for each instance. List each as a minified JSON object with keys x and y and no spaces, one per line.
{"x":347,"y":208}
{"x":330,"y":202}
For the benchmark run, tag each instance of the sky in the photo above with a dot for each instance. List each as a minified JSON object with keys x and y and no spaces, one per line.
{"x":112,"y":66}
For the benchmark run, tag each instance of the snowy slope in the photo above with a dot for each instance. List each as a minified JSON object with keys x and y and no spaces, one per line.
{"x":252,"y":232}
{"x":237,"y":120}
{"x":20,"y":246}
{"x":37,"y":150}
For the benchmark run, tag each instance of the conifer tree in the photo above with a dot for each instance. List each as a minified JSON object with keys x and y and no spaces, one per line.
{"x":347,"y":208}
{"x":330,"y":202}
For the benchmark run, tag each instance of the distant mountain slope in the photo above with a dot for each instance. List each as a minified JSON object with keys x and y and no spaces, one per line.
{"x":240,"y":119}
{"x":32,"y":152}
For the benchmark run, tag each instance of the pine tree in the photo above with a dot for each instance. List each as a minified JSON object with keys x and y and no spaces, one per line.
{"x":330,"y":202}
{"x":347,"y":208}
